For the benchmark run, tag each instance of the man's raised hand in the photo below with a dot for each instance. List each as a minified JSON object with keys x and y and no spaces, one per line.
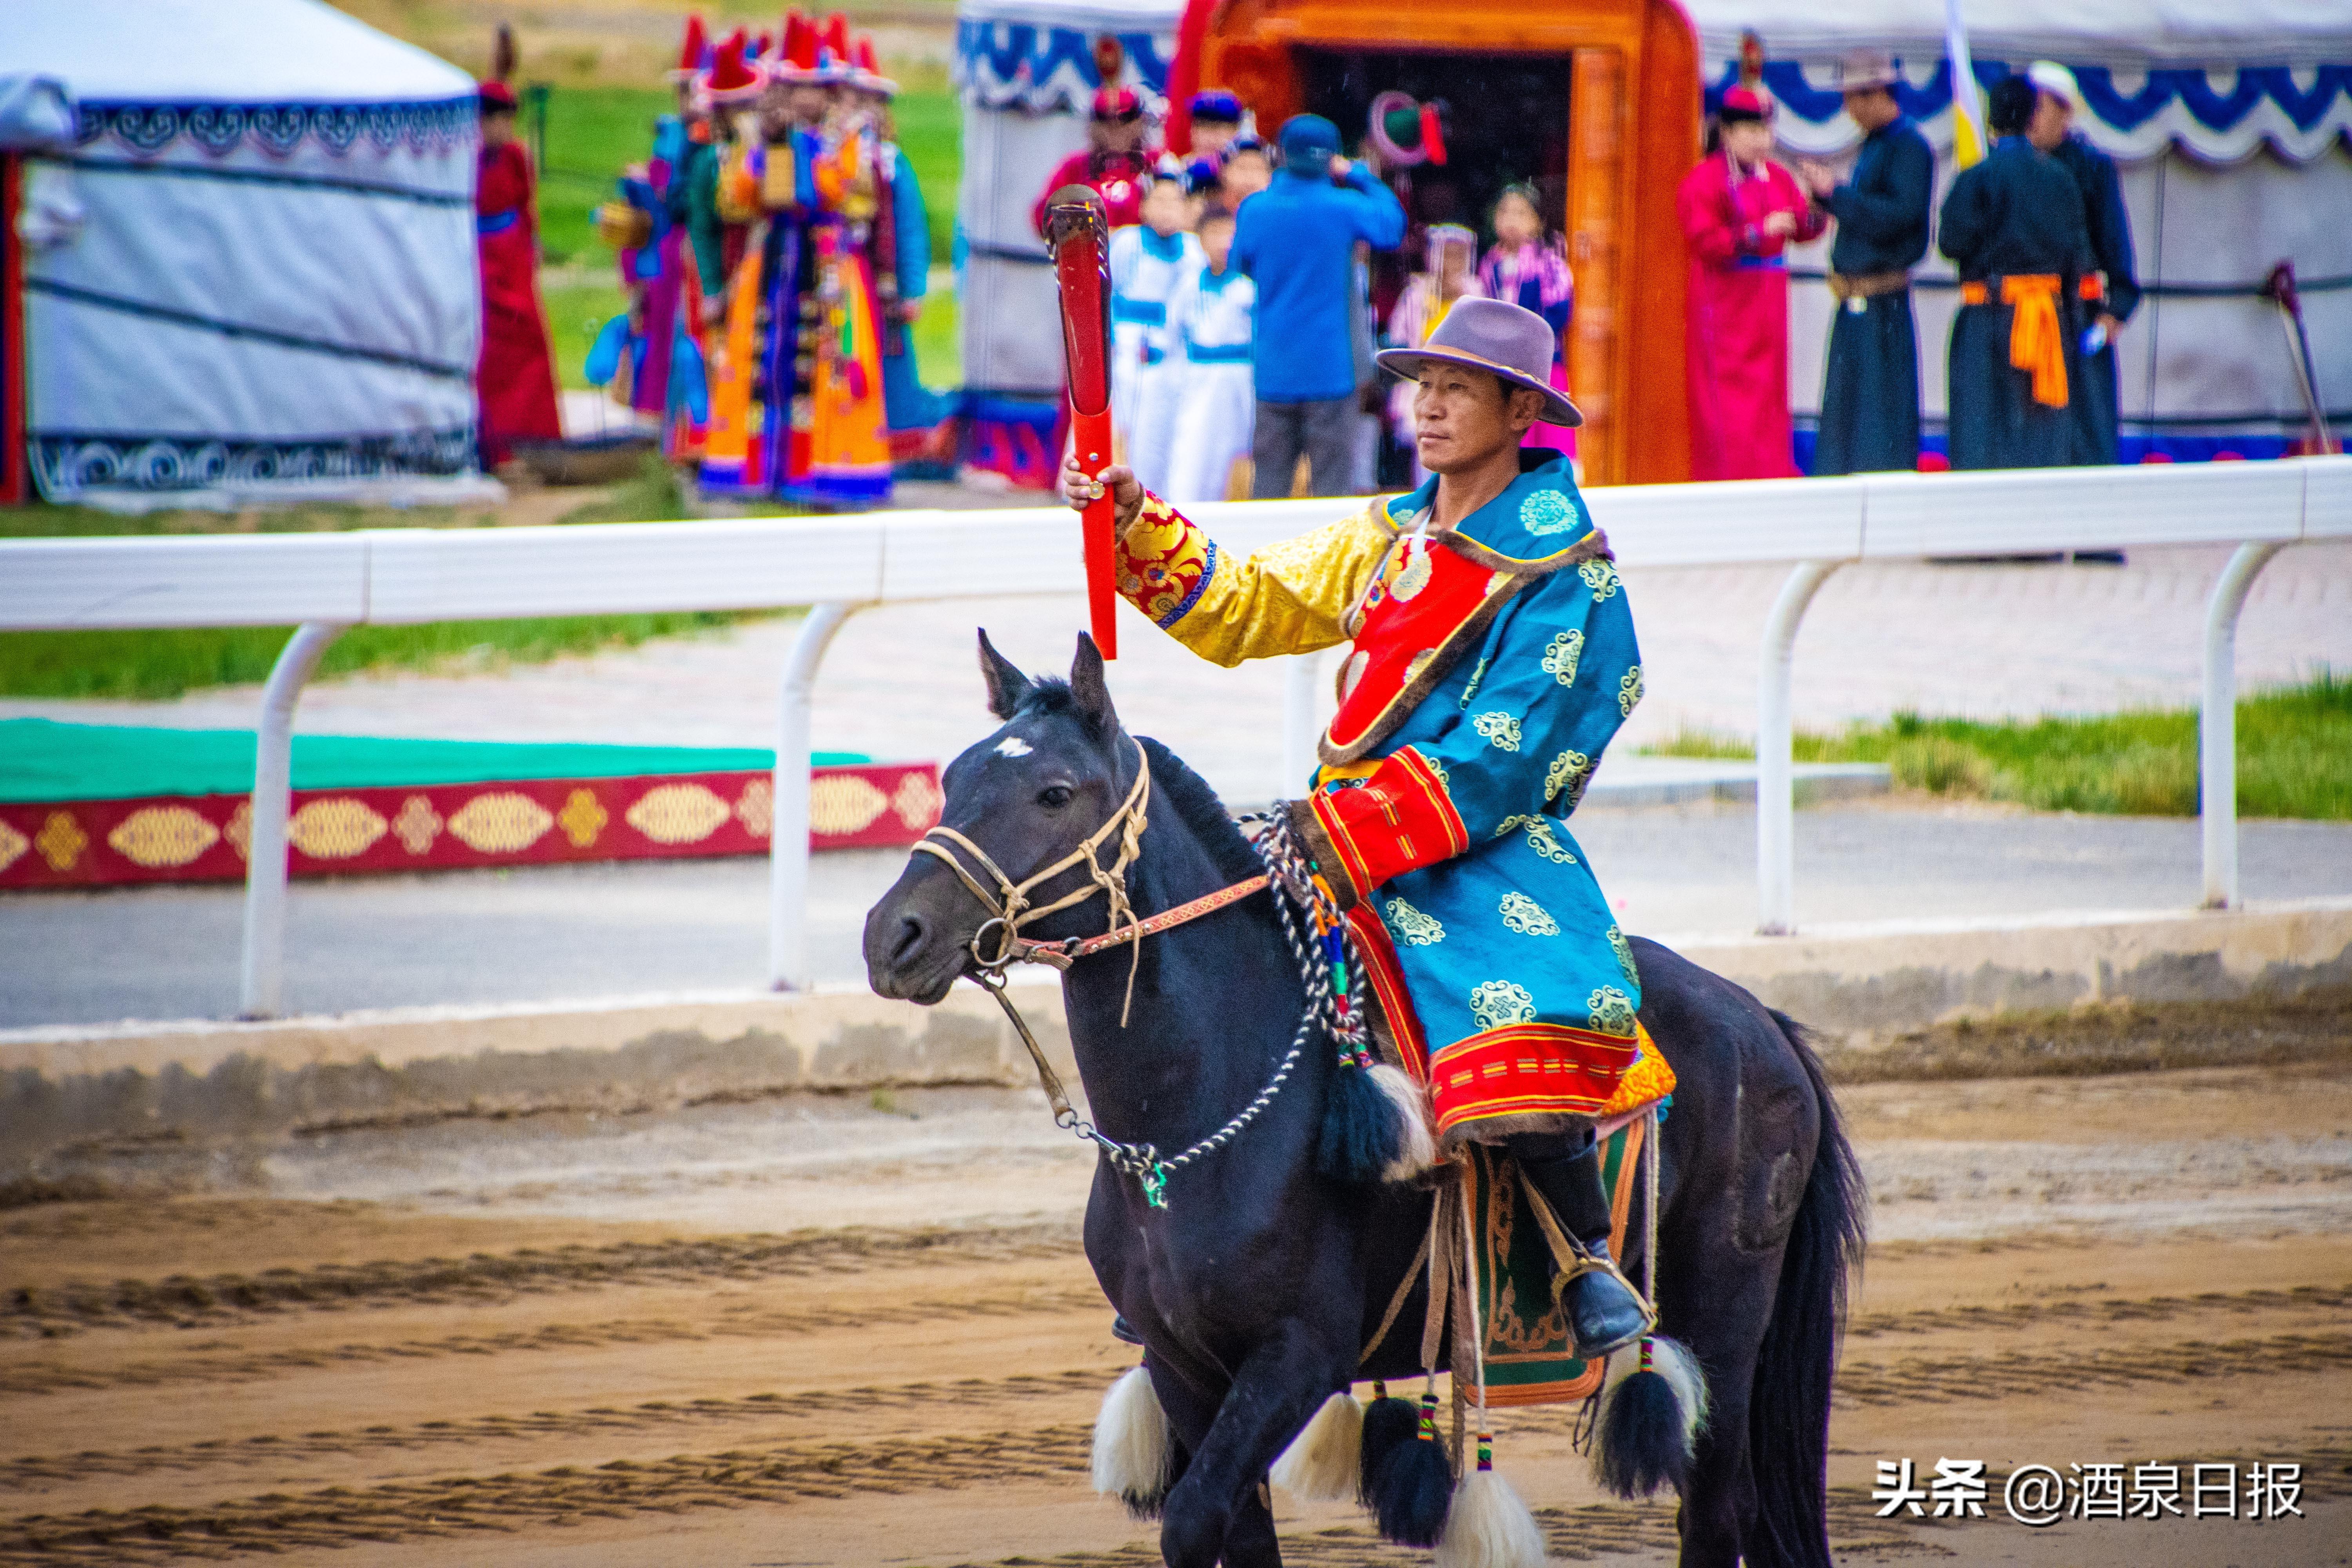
{"x":1126,"y":491}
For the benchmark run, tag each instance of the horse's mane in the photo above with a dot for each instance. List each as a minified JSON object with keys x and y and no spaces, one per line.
{"x":1201,"y":813}
{"x":1173,"y":786}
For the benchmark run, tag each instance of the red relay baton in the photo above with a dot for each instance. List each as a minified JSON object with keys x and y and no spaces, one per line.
{"x":1079,"y":235}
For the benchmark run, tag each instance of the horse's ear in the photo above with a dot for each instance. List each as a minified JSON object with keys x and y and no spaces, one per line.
{"x":1089,"y":687}
{"x":1006,"y":685}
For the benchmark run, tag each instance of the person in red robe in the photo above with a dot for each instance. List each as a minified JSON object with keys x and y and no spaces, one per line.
{"x":1115,"y":161}
{"x":1739,"y":211}
{"x":515,"y":378}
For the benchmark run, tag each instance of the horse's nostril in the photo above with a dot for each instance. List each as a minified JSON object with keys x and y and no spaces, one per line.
{"x":911,"y":934}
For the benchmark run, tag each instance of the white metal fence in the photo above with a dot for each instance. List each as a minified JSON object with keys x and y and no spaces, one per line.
{"x":325,"y":583}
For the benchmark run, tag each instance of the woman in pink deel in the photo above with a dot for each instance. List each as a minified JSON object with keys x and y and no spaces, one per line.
{"x":1739,"y":211}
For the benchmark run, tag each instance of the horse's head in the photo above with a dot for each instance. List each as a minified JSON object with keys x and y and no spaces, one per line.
{"x":1028,"y":796}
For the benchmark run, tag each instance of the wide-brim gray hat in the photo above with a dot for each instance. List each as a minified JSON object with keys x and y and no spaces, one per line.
{"x":1497,"y":337}
{"x":1862,"y":69}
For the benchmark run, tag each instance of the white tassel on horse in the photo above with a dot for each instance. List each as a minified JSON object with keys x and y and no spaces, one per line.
{"x":1133,"y":1445}
{"x":1322,"y":1461}
{"x":1416,"y":1145}
{"x":1489,"y":1527}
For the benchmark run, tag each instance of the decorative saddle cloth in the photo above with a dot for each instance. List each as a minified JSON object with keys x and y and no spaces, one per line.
{"x":1523,"y":1333}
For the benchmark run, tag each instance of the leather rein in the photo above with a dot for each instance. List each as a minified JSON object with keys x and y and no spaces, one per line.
{"x":1009,"y":910}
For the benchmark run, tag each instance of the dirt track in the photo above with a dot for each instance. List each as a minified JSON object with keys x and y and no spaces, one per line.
{"x":2143,"y":1268}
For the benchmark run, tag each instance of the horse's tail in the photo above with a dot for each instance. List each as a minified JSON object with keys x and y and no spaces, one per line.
{"x":1789,"y":1403}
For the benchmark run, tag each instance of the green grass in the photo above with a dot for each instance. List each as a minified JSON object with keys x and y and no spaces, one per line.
{"x":153,"y":665}
{"x":2294,"y":756}
{"x":939,"y":347}
{"x":578,"y":304}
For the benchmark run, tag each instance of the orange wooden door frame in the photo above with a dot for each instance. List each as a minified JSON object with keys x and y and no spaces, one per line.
{"x":1634,"y":112}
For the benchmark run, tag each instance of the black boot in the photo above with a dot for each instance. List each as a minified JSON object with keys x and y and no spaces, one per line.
{"x":1603,"y":1312}
{"x":1123,"y":1330}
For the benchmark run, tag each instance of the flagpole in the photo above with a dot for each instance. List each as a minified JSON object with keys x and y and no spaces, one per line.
{"x":1968,"y":138}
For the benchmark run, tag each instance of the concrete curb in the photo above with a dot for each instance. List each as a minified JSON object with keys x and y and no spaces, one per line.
{"x":198,"y":1080}
{"x":202,"y":1080}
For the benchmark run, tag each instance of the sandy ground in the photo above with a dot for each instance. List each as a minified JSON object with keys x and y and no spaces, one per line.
{"x":836,"y":1331}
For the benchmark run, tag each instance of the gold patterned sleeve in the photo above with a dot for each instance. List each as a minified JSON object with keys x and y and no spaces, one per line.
{"x":1286,"y":598}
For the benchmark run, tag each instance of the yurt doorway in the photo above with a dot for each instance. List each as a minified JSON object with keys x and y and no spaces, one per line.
{"x":1500,"y":120}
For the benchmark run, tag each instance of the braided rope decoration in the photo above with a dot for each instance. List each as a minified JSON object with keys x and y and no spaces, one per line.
{"x":1339,"y":1013}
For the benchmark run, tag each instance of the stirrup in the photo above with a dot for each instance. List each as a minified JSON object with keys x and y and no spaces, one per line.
{"x":1585,"y":1263}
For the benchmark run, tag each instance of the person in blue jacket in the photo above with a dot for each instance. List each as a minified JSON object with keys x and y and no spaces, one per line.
{"x":1296,"y":240}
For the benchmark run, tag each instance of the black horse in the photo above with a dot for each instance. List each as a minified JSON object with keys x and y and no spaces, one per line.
{"x":1256,"y":1287}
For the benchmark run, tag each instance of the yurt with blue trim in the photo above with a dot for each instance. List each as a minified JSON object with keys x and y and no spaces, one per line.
{"x":243,"y":267}
{"x":2228,"y":120}
{"x":1027,"y":71}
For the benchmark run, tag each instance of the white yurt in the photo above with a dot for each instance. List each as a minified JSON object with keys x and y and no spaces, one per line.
{"x":247,"y":255}
{"x":1027,"y":75}
{"x":2229,"y":120}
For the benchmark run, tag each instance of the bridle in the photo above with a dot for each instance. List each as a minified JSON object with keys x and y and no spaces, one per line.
{"x":1008,"y":905}
{"x":1009,"y":910}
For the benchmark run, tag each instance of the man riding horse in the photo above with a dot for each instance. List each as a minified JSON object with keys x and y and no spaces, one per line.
{"x":1494,"y":657}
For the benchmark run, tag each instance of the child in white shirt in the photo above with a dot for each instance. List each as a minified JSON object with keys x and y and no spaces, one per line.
{"x":1210,"y":321}
{"x":1146,"y":262}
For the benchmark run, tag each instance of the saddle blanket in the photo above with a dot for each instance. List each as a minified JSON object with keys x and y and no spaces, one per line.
{"x":1527,"y":1360}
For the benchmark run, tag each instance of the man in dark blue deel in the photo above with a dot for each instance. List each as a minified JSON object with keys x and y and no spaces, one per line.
{"x":1870,"y":388}
{"x":2013,"y":227}
{"x":1296,"y":240}
{"x":2112,"y":293}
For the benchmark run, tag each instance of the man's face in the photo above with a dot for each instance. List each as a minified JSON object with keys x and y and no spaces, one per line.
{"x":1871,"y":108}
{"x":1117,"y":135}
{"x":1749,"y":141}
{"x":775,"y":112}
{"x":1167,"y":208}
{"x":498,"y":127}
{"x":2052,"y":118}
{"x":1210,"y":137}
{"x":1461,"y":417}
{"x":1244,"y":174}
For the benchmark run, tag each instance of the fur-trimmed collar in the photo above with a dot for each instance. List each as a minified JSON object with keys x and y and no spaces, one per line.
{"x":1538,"y":524}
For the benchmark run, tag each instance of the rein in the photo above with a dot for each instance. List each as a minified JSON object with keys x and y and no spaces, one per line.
{"x":1010,"y":909}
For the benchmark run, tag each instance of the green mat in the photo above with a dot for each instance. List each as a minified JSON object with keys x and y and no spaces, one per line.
{"x":41,"y":759}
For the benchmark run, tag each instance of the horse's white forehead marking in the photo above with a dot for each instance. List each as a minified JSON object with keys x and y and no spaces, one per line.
{"x":1013,"y":746}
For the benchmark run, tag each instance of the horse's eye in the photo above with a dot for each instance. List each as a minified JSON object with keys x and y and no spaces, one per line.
{"x":1053,"y":797}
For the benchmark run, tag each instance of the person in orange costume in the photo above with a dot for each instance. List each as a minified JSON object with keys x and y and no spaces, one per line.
{"x":515,"y":378}
{"x":1739,"y":210}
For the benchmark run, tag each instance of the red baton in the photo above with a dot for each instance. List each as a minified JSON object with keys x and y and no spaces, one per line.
{"x":1079,"y":236}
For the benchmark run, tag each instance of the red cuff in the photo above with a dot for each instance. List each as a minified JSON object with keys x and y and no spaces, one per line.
{"x":1398,"y":820}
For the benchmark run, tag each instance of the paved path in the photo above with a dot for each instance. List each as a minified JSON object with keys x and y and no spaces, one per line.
{"x":900,"y":681}
{"x":569,"y":932}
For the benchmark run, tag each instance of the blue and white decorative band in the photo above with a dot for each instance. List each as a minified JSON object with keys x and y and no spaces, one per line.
{"x":281,"y":129}
{"x":1017,"y":65}
{"x":2220,"y":116}
{"x":64,"y":463}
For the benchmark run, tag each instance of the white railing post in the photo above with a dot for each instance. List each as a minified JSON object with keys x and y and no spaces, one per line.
{"x":261,"y":985}
{"x":2217,"y":723}
{"x":1298,"y":725}
{"x":788,"y":842}
{"x":1775,"y":792}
